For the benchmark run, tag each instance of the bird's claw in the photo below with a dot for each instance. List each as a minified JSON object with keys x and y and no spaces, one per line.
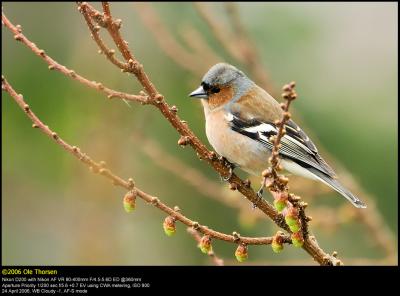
{"x":259,"y":197}
{"x":231,"y":168}
{"x":230,"y":174}
{"x":260,"y":193}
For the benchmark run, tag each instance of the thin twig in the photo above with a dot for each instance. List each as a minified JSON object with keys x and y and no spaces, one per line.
{"x":110,"y":53}
{"x":289,"y":95}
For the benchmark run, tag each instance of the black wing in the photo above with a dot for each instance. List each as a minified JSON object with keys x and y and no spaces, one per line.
{"x":296,"y":145}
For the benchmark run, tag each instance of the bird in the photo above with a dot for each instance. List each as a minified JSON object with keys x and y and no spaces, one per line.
{"x":240,"y":118}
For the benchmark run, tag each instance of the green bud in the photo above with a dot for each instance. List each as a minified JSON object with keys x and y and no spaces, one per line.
{"x":277,"y":247}
{"x":277,"y":242}
{"x":205,"y":244}
{"x":280,"y":205}
{"x":169,"y":226}
{"x":129,"y":202}
{"x":280,"y":199}
{"x":297,"y":239}
{"x":295,"y":227}
{"x":241,"y":253}
{"x":290,"y":220}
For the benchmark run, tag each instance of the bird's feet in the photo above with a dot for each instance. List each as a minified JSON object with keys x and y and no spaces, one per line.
{"x":259,"y":196}
{"x":231,"y":168}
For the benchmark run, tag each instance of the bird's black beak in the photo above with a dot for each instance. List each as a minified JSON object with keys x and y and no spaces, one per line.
{"x":199,"y":93}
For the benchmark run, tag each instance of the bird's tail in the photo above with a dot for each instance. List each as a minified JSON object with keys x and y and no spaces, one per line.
{"x":335,"y":184}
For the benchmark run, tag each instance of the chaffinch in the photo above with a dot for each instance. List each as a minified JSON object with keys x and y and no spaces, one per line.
{"x":240,"y":118}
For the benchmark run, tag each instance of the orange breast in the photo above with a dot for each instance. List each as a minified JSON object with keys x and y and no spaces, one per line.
{"x":223,"y":96}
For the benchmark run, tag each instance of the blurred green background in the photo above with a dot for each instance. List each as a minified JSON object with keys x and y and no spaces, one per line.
{"x":343,"y":57}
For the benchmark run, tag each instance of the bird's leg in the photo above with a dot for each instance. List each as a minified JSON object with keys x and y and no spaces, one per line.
{"x":231,"y":168}
{"x":259,"y":194}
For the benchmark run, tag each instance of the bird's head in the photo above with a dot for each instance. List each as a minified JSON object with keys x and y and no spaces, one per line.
{"x":221,"y":84}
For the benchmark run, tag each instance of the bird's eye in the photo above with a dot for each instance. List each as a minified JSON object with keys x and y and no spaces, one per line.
{"x":205,"y":86}
{"x":215,"y":90}
{"x":210,"y":89}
